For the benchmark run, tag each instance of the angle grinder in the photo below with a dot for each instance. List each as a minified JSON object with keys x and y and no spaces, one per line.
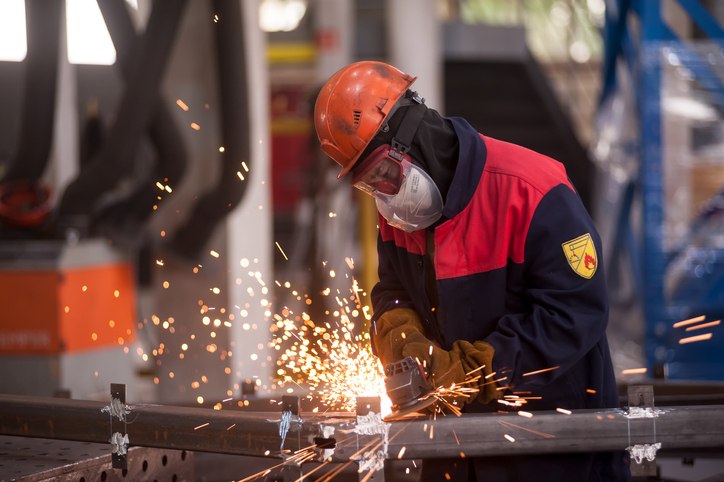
{"x":406,"y":384}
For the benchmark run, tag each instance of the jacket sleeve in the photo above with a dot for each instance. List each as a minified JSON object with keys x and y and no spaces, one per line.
{"x":568,"y":313}
{"x":389,"y":293}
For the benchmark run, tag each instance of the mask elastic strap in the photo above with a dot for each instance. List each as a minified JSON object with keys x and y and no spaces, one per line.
{"x":406,"y":132}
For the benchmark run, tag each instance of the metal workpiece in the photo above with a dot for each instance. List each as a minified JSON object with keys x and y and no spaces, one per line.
{"x":24,"y":459}
{"x":182,"y":428}
{"x":340,"y":436}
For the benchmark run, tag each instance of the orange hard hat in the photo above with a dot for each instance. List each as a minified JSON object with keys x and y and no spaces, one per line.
{"x":352,"y":106}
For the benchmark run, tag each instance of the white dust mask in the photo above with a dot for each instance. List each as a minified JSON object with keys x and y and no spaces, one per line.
{"x":417,"y":204}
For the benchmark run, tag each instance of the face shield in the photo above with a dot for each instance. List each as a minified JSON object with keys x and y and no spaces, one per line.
{"x":406,"y":196}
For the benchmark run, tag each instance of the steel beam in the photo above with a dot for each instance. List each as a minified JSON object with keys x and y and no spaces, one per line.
{"x":342,"y":436}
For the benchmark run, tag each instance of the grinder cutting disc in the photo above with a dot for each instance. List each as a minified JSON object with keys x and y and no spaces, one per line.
{"x":406,"y":385}
{"x":400,"y":412}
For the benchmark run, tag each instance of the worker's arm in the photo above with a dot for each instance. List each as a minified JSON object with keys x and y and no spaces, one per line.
{"x":397,"y":331}
{"x":389,"y":296}
{"x":569,"y":312}
{"x":401,"y":333}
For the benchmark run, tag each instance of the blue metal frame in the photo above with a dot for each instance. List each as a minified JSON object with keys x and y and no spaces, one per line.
{"x":698,"y":295}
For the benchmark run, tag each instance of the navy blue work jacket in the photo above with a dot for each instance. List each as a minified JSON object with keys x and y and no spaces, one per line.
{"x":518,"y":265}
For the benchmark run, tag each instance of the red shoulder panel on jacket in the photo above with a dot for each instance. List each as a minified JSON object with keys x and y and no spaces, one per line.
{"x":413,"y":242}
{"x":493,"y":228}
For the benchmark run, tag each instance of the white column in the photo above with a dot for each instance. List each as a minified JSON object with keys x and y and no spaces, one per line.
{"x":334,"y":35}
{"x":249,"y":226}
{"x":414,"y":36}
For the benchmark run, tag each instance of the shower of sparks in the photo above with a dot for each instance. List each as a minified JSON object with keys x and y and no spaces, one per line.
{"x":334,"y":471}
{"x":692,"y":339}
{"x":704,"y":325}
{"x":632,"y":371}
{"x":299,"y":457}
{"x":281,"y":250}
{"x":508,"y":424}
{"x":690,"y":321}
{"x":445,"y":396}
{"x":327,"y":357}
{"x":539,"y":371}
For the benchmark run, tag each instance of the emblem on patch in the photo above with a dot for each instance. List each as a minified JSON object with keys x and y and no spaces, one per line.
{"x":581,"y":255}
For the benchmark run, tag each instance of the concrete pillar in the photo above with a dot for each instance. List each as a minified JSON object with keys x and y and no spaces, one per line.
{"x":413,"y":32}
{"x":334,"y":34}
{"x":249,"y":226}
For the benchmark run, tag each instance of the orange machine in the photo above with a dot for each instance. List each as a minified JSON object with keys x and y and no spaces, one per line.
{"x":67,"y":305}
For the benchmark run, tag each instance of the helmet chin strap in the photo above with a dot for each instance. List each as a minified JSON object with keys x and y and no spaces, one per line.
{"x":405,"y":101}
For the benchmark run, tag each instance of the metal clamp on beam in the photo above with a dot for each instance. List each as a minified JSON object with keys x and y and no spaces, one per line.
{"x":119,"y":435}
{"x":292,"y":459}
{"x":641,"y":406}
{"x":290,"y":412}
{"x":372,"y":440}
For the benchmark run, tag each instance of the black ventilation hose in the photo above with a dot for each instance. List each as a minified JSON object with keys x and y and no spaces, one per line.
{"x":93,"y":135}
{"x":43,"y":23}
{"x":163,"y":132}
{"x":137,"y":108}
{"x":191,"y":238}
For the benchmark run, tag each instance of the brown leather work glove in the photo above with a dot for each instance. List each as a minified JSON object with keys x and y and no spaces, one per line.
{"x":394,"y":330}
{"x":448,"y":367}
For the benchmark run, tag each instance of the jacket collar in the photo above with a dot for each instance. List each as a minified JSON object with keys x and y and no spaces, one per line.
{"x":471,"y":163}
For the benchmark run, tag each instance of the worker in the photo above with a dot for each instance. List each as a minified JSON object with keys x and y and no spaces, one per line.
{"x":488,"y":263}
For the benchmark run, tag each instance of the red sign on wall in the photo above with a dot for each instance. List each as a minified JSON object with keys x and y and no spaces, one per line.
{"x":327,"y":39}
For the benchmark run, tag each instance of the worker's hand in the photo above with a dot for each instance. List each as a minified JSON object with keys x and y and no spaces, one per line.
{"x":448,"y":367}
{"x":395,"y":329}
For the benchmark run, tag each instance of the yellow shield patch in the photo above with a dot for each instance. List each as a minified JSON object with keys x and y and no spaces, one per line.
{"x":581,"y":255}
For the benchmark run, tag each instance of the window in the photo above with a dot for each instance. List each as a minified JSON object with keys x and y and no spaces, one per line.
{"x":88,"y":39}
{"x":13,"y":40}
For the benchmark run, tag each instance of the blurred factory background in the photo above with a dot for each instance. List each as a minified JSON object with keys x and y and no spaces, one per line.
{"x":163,"y":197}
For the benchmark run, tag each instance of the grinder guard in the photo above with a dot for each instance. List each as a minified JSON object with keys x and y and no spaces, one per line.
{"x":406,"y":384}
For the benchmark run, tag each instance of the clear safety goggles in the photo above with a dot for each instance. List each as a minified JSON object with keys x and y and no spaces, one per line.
{"x":379,"y":173}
